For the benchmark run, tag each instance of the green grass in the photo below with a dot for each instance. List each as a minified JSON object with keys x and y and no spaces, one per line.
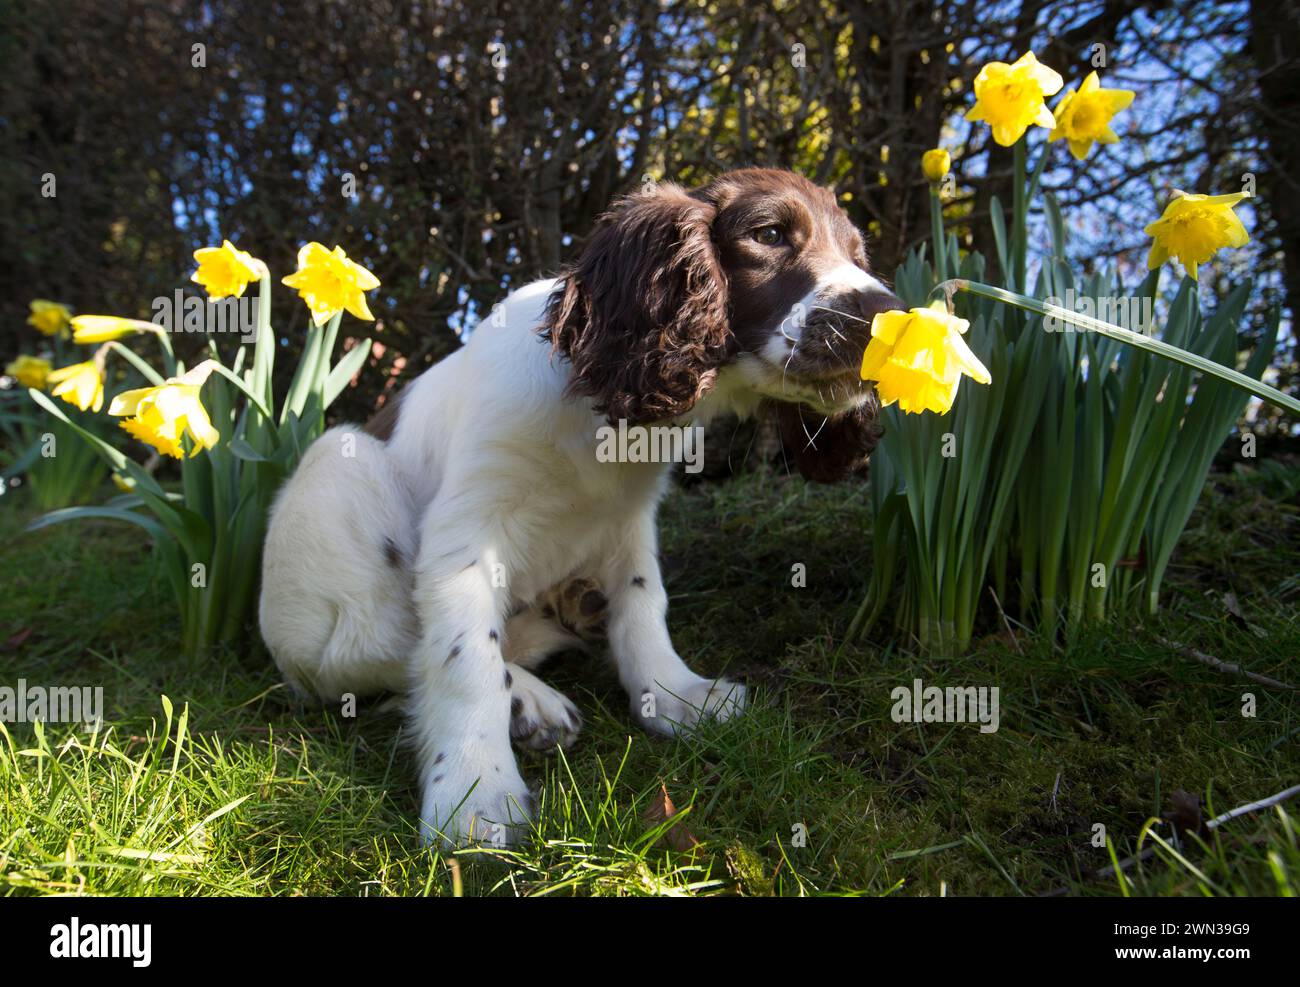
{"x":229,"y":787}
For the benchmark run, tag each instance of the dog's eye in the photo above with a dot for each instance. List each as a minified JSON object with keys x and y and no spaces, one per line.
{"x":769,"y":236}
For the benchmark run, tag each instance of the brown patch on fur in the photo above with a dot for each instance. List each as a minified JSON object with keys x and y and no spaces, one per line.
{"x":383,"y":423}
{"x":643,"y":315}
{"x":839,"y":448}
{"x":393,"y":555}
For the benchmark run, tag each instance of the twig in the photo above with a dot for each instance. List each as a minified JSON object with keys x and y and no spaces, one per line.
{"x":1214,"y":823}
{"x":1007,"y":624}
{"x":1222,"y":666}
{"x":1241,"y":810}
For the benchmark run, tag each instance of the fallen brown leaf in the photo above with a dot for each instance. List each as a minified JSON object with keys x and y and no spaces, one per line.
{"x":661,"y":809}
{"x":16,"y":641}
{"x":1184,"y":814}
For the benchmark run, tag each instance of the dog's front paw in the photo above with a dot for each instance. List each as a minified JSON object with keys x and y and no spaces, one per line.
{"x":541,"y":718}
{"x":679,"y":708}
{"x":486,"y":804}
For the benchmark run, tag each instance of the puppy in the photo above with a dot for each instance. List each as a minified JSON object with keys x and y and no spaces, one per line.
{"x":471,"y":530}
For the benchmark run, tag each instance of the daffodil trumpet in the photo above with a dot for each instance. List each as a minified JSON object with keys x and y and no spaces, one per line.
{"x":1144,"y":342}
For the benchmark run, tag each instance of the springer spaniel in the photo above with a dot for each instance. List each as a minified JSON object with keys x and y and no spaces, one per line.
{"x":470,"y":530}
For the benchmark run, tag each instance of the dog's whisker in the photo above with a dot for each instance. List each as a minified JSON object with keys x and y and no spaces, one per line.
{"x":813,"y":438}
{"x":804,"y":425}
{"x":855,"y":318}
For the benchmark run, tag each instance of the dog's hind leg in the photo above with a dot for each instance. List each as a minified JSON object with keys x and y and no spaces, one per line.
{"x":336,"y":609}
{"x":570,"y":615}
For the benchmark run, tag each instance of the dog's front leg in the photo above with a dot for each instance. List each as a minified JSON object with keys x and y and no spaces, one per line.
{"x":470,"y":785}
{"x":666,"y":696}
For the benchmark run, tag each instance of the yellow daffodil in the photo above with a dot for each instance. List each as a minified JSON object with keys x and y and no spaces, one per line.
{"x":1083,"y":118}
{"x":936,"y":163}
{"x":103,"y":328}
{"x":1194,"y":227}
{"x":29,"y":371}
{"x":49,"y":318}
{"x":162,"y":415}
{"x":225,"y":270}
{"x":917,"y":358}
{"x":81,"y":384}
{"x":1009,"y":98}
{"x":328,"y":282}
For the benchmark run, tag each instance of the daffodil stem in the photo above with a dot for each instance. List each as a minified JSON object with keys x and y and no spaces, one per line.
{"x":244,"y":388}
{"x":1149,"y":343}
{"x":148,"y":372}
{"x":169,"y":356}
{"x":1020,"y":233}
{"x":322,"y":368}
{"x":1037,"y":176}
{"x":264,"y":345}
{"x":936,"y":232}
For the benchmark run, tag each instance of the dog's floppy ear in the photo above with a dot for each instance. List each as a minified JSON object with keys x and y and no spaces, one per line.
{"x":643,"y":315}
{"x":830,"y":449}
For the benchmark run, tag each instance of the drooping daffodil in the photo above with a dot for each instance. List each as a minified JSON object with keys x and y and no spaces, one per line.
{"x":81,"y":384}
{"x":1194,"y":228}
{"x":162,"y":415}
{"x":917,"y":358}
{"x":29,"y":371}
{"x":48,"y":318}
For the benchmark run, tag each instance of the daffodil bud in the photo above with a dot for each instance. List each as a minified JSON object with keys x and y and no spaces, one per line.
{"x":936,"y":163}
{"x":89,"y":329}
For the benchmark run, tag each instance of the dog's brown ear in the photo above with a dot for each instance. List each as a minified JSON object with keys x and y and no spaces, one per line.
{"x":830,"y":449}
{"x":643,"y":315}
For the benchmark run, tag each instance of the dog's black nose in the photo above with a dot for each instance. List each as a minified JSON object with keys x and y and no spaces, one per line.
{"x":872,"y":303}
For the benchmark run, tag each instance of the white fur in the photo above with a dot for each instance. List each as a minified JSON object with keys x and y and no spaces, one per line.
{"x":491,"y":489}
